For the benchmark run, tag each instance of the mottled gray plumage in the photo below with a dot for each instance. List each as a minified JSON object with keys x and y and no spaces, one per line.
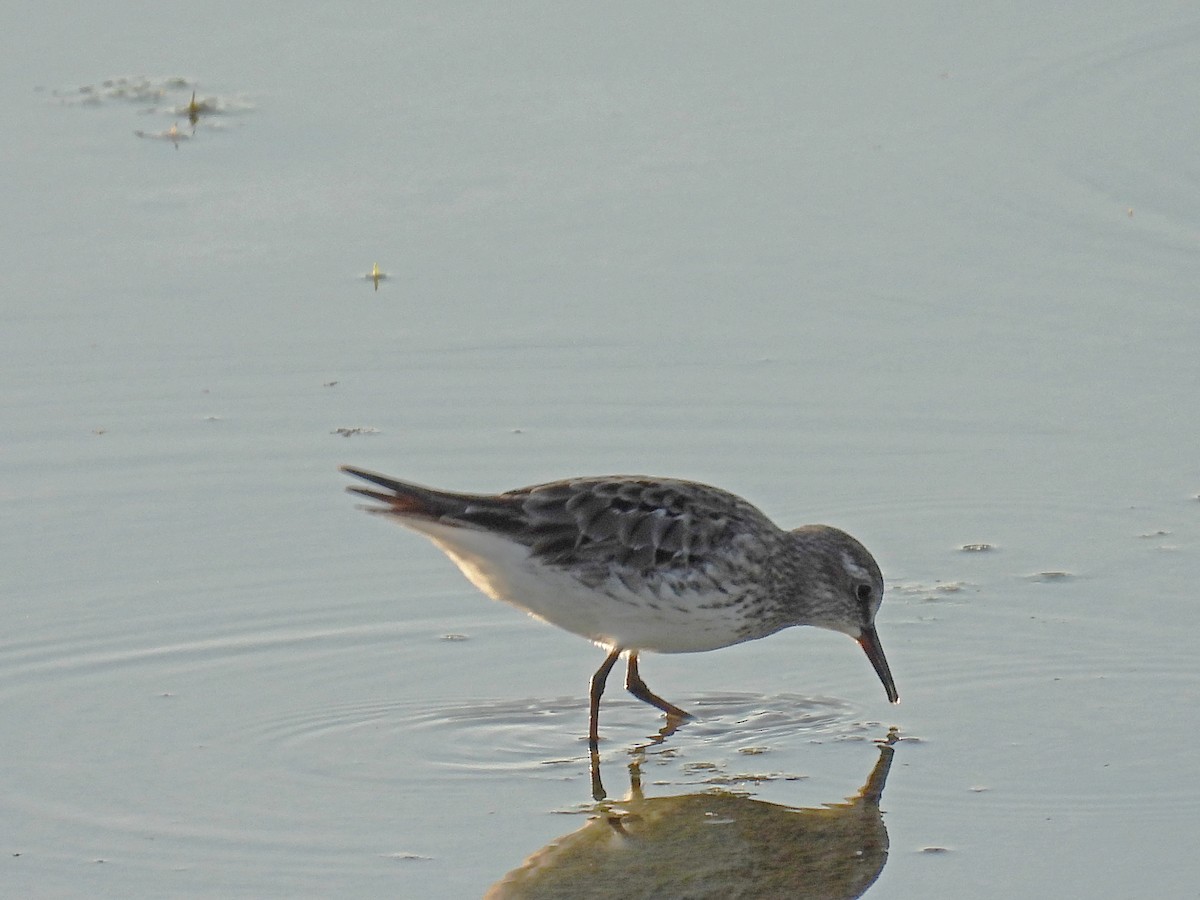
{"x":636,"y":563}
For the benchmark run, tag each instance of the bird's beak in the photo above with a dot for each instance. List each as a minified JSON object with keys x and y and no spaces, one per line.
{"x":869,"y":641}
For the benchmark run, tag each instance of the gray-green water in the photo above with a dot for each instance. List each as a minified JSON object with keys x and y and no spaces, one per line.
{"x":928,"y":276}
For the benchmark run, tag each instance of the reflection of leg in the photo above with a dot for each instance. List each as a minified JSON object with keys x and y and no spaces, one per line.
{"x":637,"y":687}
{"x":669,"y":728}
{"x":598,"y":792}
{"x":597,"y":692}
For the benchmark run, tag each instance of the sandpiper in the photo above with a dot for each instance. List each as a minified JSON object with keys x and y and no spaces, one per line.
{"x":635,"y":563}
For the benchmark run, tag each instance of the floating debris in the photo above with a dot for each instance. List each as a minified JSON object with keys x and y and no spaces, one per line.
{"x":131,"y":89}
{"x":172,"y":134}
{"x":193,"y":112}
{"x":174,"y":97}
{"x":977,"y":548}
{"x":724,"y":780}
{"x":376,"y":275}
{"x":359,"y":429}
{"x":932,"y":593}
{"x":146,"y":91}
{"x":1049,"y":576}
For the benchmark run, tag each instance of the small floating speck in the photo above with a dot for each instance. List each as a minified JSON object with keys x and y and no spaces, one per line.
{"x":979,"y":789}
{"x":358,"y":429}
{"x":454,"y":637}
{"x":329,"y":384}
{"x":927,"y":592}
{"x":172,"y":134}
{"x":1154,"y":534}
{"x":935,"y":849}
{"x":376,"y":275}
{"x":977,"y":548}
{"x":407,"y":857}
{"x":195,"y":109}
{"x":937,"y":593}
{"x":1050,"y":576}
{"x":99,"y":431}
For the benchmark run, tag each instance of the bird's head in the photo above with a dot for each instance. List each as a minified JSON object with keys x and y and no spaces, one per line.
{"x":842,"y":589}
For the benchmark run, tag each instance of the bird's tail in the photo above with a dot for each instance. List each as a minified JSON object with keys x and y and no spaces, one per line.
{"x":399,"y":498}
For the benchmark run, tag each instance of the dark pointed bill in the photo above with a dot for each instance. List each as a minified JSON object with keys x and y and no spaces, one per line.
{"x":869,"y":641}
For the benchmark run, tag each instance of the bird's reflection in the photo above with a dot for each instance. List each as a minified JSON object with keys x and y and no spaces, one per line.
{"x":635,"y":773}
{"x":713,"y":844}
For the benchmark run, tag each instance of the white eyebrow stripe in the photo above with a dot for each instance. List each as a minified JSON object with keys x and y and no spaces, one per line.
{"x":854,"y":568}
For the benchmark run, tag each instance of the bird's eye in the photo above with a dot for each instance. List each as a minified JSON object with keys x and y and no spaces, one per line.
{"x":864,"y":593}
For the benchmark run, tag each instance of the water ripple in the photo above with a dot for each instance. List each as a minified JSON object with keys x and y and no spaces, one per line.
{"x":546,"y":737}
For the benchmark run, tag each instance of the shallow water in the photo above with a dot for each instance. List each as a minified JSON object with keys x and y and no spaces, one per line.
{"x":927,"y":277}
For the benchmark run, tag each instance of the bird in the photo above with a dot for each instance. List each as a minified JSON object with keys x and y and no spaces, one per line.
{"x":635,"y":563}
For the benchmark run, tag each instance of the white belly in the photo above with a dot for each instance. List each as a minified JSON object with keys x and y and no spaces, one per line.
{"x":609,"y":614}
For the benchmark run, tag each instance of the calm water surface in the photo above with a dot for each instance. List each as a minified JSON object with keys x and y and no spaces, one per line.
{"x":930,"y":278}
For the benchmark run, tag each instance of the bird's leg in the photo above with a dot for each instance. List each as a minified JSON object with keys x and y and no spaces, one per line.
{"x":637,"y":687}
{"x":597,"y":692}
